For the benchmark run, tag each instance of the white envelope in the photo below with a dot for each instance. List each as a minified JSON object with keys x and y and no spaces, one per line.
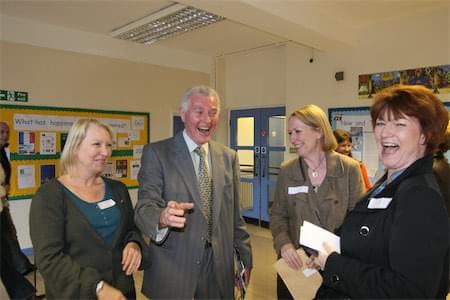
{"x":313,"y":236}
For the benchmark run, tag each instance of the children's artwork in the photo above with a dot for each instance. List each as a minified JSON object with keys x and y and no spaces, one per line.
{"x":356,"y":133}
{"x":48,"y":143}
{"x":135,"y":166}
{"x":137,"y":151}
{"x":109,"y":169}
{"x":25,"y":177}
{"x":134,"y":135}
{"x":123,"y":142}
{"x":27,"y":142}
{"x":121,"y":168}
{"x":47,"y":173}
{"x":436,"y":78}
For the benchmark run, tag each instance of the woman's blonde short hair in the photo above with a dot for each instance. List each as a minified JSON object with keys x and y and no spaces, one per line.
{"x":77,"y":134}
{"x":313,"y":116}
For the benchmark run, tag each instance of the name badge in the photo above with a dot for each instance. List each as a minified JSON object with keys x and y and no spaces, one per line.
{"x":377,"y":203}
{"x":106,"y":204}
{"x":292,"y":190}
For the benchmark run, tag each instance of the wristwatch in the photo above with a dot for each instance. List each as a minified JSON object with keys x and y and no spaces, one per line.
{"x":99,"y":286}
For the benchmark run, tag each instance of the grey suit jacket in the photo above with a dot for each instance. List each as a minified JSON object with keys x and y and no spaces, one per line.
{"x":167,"y":173}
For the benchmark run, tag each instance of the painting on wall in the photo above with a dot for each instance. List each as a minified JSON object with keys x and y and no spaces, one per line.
{"x":435,"y":78}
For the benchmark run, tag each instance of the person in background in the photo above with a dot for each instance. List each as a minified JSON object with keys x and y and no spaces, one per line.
{"x":319,"y":186}
{"x":82,"y":224}
{"x":3,"y":292}
{"x":188,"y":204}
{"x":15,"y":265}
{"x":13,"y":284}
{"x":344,"y":140}
{"x":395,"y":242}
{"x":12,"y":247}
{"x":441,"y":169}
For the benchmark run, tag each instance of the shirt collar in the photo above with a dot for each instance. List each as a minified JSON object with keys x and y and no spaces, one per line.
{"x":192,"y":145}
{"x":395,"y":174}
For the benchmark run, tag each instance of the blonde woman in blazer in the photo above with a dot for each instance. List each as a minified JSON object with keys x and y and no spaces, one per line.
{"x":319,"y":186}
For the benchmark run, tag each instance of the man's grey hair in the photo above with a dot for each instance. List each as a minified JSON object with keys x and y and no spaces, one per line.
{"x":202,"y":90}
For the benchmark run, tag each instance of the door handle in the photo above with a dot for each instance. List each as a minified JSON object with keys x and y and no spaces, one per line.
{"x":256,"y":162}
{"x":263,"y":161}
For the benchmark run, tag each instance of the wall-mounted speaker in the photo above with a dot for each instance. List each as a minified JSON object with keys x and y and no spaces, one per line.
{"x":339,"y":76}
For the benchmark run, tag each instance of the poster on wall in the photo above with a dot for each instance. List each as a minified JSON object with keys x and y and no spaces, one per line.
{"x":121,"y":168}
{"x":48,"y":172}
{"x":25,"y":176}
{"x":27,"y":142}
{"x":48,"y":143}
{"x":436,"y":78}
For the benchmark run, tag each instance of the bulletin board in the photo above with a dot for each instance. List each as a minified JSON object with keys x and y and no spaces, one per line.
{"x":358,"y":122}
{"x":38,"y":135}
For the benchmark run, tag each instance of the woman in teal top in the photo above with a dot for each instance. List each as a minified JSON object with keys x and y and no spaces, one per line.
{"x":82,"y":227}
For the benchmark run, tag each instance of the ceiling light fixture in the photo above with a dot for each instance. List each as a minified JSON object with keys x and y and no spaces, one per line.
{"x":165,"y":23}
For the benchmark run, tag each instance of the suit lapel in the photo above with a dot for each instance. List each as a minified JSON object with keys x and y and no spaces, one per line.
{"x":185,"y":167}
{"x":217,"y":166}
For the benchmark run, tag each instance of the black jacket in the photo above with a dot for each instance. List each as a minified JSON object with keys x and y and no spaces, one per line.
{"x":5,"y":164}
{"x":397,"y":252}
{"x":441,"y":170}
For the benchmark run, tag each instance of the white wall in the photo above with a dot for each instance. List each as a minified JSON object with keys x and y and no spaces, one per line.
{"x":251,"y":79}
{"x":256,"y":78}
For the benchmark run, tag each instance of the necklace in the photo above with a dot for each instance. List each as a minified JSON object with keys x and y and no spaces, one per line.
{"x":314,"y":172}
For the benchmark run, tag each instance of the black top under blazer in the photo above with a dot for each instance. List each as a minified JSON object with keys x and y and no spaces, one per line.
{"x":397,"y":252}
{"x":70,"y":254}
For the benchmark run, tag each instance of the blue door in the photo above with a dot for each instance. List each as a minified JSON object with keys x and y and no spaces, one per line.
{"x":258,"y":136}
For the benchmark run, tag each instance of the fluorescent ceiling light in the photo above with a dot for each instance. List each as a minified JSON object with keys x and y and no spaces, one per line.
{"x":165,"y":23}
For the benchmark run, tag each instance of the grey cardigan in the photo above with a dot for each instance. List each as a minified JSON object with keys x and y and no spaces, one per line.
{"x":341,"y":188}
{"x":71,"y":256}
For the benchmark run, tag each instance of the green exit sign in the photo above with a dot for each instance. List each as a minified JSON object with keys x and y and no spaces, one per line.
{"x":18,"y":96}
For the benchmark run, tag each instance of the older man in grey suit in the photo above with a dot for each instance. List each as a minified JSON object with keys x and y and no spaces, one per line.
{"x":188,"y":203}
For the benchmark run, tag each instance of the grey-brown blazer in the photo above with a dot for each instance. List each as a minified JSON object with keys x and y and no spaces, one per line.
{"x":167,"y":173}
{"x":341,"y":188}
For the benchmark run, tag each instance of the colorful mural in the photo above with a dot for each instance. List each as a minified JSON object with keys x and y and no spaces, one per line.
{"x":436,"y":78}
